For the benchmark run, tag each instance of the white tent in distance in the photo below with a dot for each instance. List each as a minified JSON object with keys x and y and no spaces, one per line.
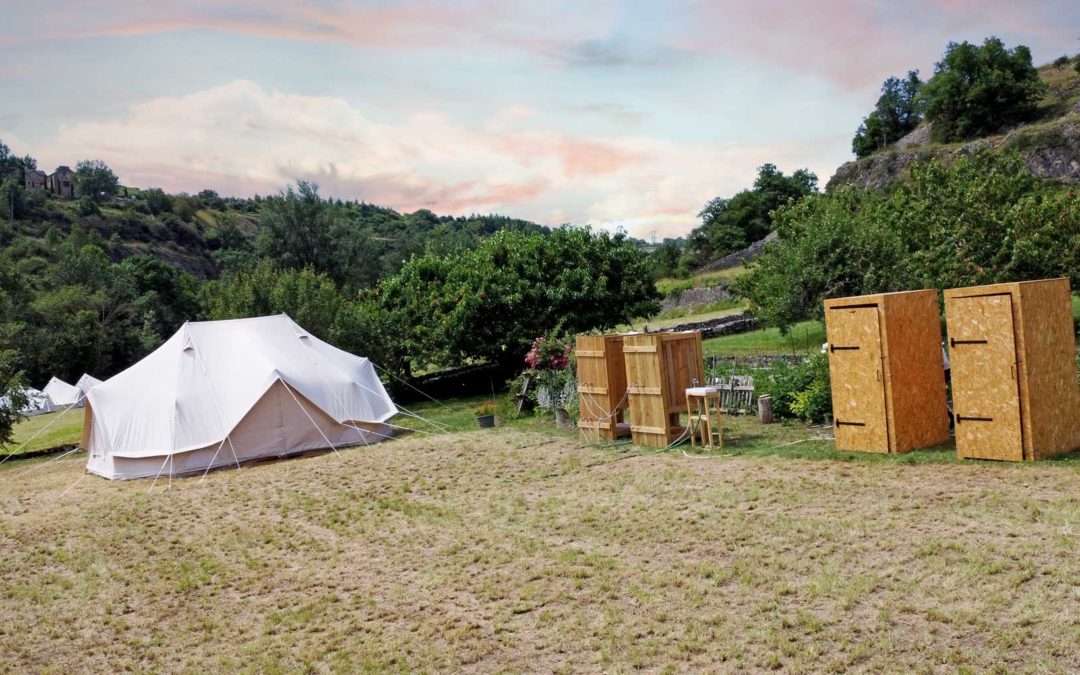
{"x":61,"y":394}
{"x":219,"y":393}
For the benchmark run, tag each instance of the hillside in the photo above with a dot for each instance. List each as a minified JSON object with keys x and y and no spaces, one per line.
{"x":194,"y":232}
{"x":1049,"y":146}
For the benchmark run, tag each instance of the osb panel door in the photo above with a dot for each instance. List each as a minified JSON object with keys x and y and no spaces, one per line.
{"x":986,"y":399}
{"x":857,"y":379}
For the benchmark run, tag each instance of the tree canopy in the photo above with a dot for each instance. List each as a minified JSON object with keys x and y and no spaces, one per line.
{"x":980,"y":220}
{"x":488,"y":304}
{"x":979,"y":90}
{"x":730,"y":224}
{"x":895,"y":115}
{"x":94,"y":179}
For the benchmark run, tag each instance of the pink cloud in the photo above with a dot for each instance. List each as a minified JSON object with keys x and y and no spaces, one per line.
{"x":240,"y":138}
{"x":840,"y":40}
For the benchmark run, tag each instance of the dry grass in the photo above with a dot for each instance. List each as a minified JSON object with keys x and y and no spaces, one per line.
{"x":516,"y":550}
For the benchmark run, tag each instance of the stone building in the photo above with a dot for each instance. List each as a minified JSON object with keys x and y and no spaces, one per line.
{"x":61,"y":182}
{"x":33,"y":180}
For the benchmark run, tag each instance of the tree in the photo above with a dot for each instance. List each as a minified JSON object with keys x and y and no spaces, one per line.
{"x":894,"y":116}
{"x":11,"y":198}
{"x":983,"y":219}
{"x":730,"y":224}
{"x":976,"y":91}
{"x":11,"y":388}
{"x":94,"y":179}
{"x":488,"y":304}
{"x":295,"y":230}
{"x":157,"y":201}
{"x":309,"y":297}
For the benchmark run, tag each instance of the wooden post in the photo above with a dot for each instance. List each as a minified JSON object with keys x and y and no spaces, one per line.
{"x":764,"y":410}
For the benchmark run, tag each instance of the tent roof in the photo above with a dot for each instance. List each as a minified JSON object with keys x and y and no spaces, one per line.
{"x":196,"y":387}
{"x":61,"y":393}
{"x":86,"y":382}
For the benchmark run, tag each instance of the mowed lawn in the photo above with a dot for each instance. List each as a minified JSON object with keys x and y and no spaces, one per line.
{"x":44,"y":432}
{"x":519,"y":550}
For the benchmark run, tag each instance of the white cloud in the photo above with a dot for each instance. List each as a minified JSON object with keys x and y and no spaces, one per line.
{"x":241,"y":138}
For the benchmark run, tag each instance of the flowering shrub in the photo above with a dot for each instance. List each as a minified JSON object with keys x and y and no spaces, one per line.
{"x":548,"y":354}
{"x":550,"y":366}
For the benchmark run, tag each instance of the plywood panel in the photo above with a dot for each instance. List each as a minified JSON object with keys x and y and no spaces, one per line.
{"x":1051,"y":400}
{"x":858,"y":388}
{"x":986,"y":395}
{"x":915,"y":391}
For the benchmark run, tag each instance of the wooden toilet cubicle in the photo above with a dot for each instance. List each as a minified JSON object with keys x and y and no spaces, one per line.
{"x":887,"y":371}
{"x":660,"y":367}
{"x":602,"y":396}
{"x":1012,"y":350}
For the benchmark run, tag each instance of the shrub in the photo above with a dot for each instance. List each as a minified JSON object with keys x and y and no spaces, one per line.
{"x":801,"y":391}
{"x":87,"y":207}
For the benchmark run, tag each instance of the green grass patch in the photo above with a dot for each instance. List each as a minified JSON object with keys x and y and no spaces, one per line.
{"x":52,"y":431}
{"x":805,"y":337}
{"x":704,"y":280}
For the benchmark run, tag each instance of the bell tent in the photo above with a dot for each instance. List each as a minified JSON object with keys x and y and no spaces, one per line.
{"x":86,"y":382}
{"x":37,"y":402}
{"x":219,"y":393}
{"x":62,"y":395}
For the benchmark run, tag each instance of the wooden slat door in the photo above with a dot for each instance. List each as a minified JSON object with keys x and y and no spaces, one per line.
{"x":858,"y":386}
{"x":986,"y":398}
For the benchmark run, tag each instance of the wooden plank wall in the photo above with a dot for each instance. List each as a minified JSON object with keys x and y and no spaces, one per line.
{"x":659,"y":369}
{"x":602,"y":397}
{"x":648,"y":416}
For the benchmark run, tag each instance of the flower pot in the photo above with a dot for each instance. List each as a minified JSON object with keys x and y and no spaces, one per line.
{"x":485,"y":421}
{"x":562,"y":419}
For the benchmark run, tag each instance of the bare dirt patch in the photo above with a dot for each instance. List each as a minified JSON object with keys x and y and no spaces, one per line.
{"x":515,"y":551}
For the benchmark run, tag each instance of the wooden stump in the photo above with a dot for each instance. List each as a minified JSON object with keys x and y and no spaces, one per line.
{"x":764,"y":410}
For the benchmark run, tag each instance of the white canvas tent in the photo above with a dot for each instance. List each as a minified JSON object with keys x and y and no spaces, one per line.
{"x":224,"y":392}
{"x":86,"y":382}
{"x":62,"y":395}
{"x":37,"y":402}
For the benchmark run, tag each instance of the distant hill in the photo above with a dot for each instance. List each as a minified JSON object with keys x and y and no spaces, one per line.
{"x":196,"y":232}
{"x":1050,"y":146}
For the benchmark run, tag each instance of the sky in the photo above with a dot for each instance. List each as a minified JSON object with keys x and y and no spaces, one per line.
{"x":616,"y":114}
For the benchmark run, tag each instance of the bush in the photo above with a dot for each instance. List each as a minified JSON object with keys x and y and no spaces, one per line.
{"x":976,"y":91}
{"x":801,"y":391}
{"x":87,"y":207}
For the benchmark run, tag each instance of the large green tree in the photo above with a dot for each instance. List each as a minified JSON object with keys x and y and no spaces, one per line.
{"x":979,"y":90}
{"x":894,"y":116}
{"x":730,"y":224}
{"x":94,"y":179}
{"x":488,"y":304}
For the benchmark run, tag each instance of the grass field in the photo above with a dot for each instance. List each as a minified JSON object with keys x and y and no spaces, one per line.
{"x":805,"y":337}
{"x":46,"y":431}
{"x":517,"y":550}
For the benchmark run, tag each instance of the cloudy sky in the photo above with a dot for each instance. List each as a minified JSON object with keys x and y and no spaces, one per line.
{"x":613,"y":113}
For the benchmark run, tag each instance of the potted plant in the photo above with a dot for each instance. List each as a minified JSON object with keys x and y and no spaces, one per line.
{"x":556,"y":386}
{"x":485,"y":414}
